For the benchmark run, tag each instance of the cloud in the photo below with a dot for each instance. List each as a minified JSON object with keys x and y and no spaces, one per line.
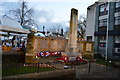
{"x":1,"y":9}
{"x":49,"y":25}
{"x":43,"y":16}
{"x":42,"y":20}
{"x":52,"y":0}
{"x":47,"y":19}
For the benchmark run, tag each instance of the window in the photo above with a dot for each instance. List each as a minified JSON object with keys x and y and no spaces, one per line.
{"x":103,"y":9}
{"x":117,"y":50}
{"x":102,"y":28}
{"x":103,"y":25}
{"x":117,"y":20}
{"x":117,"y":7}
{"x":117,"y":4}
{"x":102,"y":41}
{"x":89,"y":38}
{"x":102,"y":22}
{"x":117,"y":39}
{"x":102,"y":38}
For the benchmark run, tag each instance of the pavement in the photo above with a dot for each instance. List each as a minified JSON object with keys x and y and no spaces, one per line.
{"x":94,"y":71}
{"x":97,"y":71}
{"x":84,"y":71}
{"x":113,"y":73}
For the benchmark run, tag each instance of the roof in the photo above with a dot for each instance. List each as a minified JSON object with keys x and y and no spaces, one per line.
{"x":96,"y":3}
{"x":10,"y":25}
{"x":25,"y":27}
{"x":13,"y":30}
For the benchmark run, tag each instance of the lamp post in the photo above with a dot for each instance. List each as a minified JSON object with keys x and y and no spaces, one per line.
{"x":107,"y":35}
{"x":43,"y":28}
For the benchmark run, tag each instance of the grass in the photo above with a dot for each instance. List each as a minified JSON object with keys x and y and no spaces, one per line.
{"x":101,"y":61}
{"x":75,"y":63}
{"x":23,"y":70}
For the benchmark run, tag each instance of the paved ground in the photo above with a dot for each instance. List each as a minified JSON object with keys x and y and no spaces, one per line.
{"x":82,"y":71}
{"x":113,"y":73}
{"x":97,"y":71}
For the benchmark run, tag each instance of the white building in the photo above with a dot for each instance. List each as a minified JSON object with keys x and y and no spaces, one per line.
{"x":90,"y":22}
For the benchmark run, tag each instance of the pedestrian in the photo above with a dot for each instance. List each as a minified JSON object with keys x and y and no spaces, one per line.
{"x":13,"y":41}
{"x":22,"y":46}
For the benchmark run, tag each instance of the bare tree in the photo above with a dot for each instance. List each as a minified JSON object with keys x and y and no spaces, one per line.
{"x":56,"y":30}
{"x":23,"y":15}
{"x":66,"y":33}
{"x":81,"y":27}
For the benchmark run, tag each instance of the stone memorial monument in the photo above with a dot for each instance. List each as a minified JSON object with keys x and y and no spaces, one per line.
{"x":72,"y":49}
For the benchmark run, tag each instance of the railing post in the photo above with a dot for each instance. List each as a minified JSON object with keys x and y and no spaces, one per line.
{"x":106,"y":64}
{"x":38,"y":67}
{"x":89,"y":65}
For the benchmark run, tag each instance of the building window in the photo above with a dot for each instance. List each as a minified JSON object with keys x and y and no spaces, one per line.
{"x":117,"y":20}
{"x":117,"y":5}
{"x":117,"y":50}
{"x":89,"y":38}
{"x":102,"y":22}
{"x":103,"y":9}
{"x":102,"y":39}
{"x":102,"y":28}
{"x":117,"y":39}
{"x":117,"y":23}
{"x":117,"y":45}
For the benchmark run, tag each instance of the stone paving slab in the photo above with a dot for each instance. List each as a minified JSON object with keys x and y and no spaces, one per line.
{"x":104,"y":74}
{"x":97,"y":71}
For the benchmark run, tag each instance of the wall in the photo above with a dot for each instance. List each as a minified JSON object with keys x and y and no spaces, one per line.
{"x":37,"y":44}
{"x":90,"y":21}
{"x":13,"y":57}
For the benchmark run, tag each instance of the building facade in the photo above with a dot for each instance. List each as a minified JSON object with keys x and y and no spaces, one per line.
{"x":107,"y":17}
{"x":90,"y":22}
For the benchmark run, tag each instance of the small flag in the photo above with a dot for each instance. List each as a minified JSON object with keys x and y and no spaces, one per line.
{"x":47,"y":54}
{"x":105,"y":6}
{"x":41,"y":54}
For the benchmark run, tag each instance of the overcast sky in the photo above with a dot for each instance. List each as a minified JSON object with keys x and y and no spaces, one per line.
{"x":50,"y":13}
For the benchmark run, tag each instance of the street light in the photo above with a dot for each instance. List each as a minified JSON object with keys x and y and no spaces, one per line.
{"x":43,"y":28}
{"x":107,"y":34}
